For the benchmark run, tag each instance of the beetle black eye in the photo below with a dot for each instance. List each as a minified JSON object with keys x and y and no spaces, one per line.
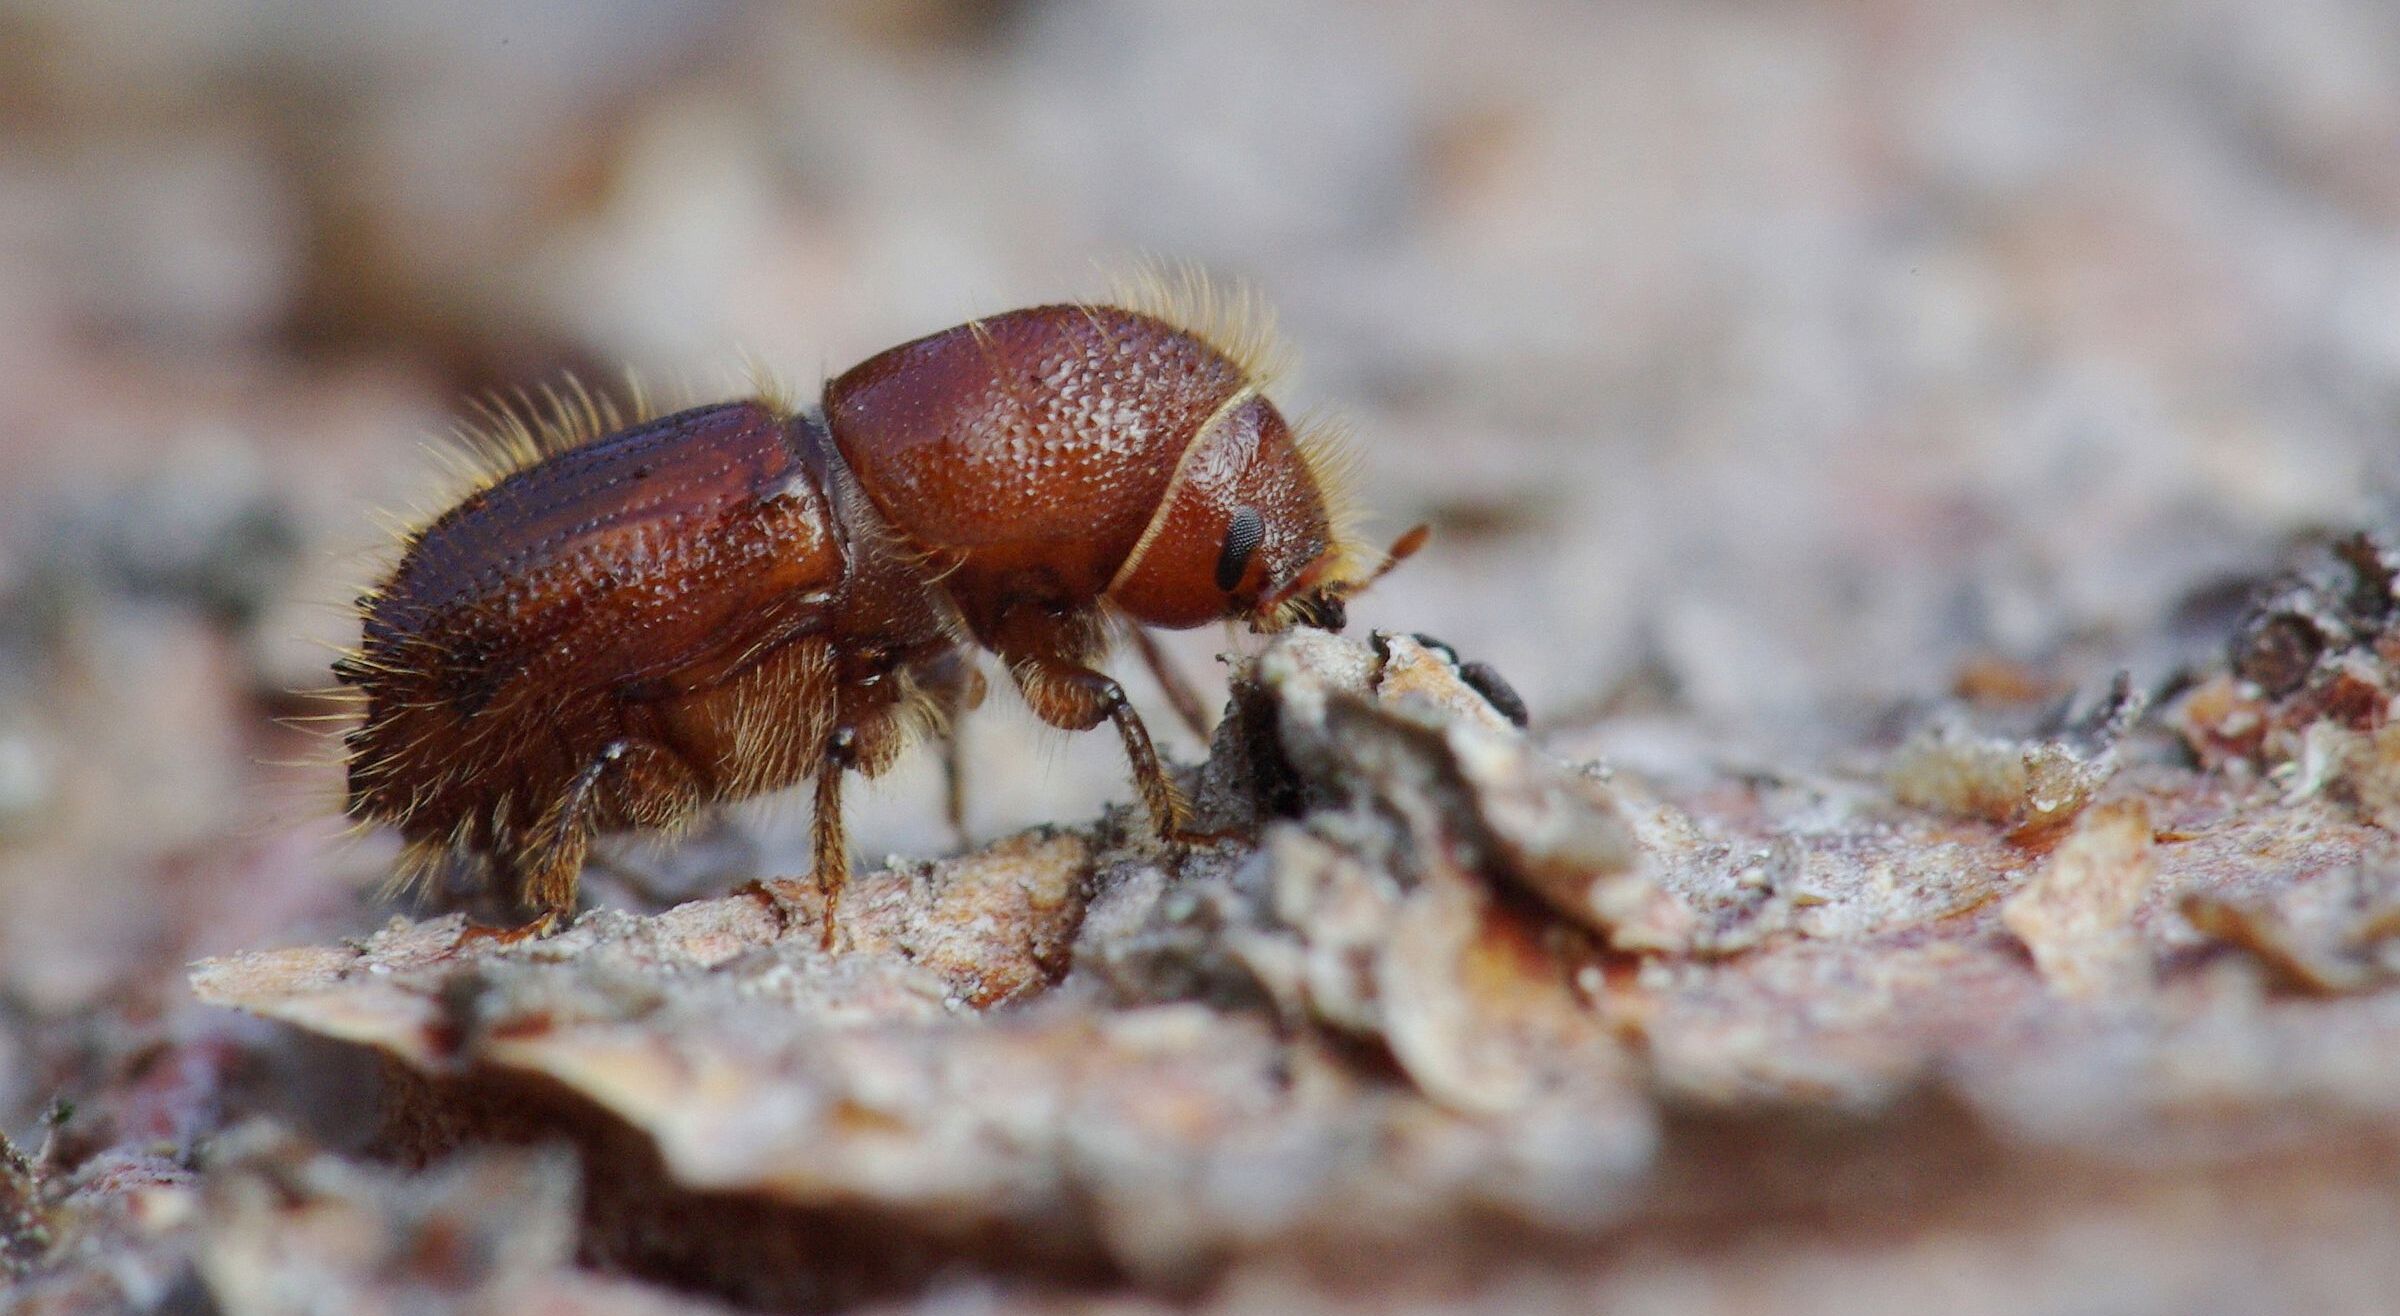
{"x":1242,"y":539}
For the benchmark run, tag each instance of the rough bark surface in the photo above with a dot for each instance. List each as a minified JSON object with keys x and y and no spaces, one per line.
{"x":1572,"y":1025}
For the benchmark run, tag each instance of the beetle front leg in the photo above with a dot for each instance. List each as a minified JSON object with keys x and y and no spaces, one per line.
{"x":1076,"y":698}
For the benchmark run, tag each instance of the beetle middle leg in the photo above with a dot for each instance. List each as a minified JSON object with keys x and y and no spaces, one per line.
{"x":956,"y":688}
{"x":829,"y":844}
{"x":829,"y":840}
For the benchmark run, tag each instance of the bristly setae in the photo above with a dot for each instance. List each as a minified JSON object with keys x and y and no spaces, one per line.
{"x":636,"y":616}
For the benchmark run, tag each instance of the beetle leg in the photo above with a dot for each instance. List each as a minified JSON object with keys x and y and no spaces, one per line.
{"x":829,"y":846}
{"x":651,"y":786}
{"x":544,"y":863}
{"x":1076,"y":698}
{"x":830,"y":841}
{"x":542,"y":925}
{"x":957,"y":688}
{"x":954,"y":785}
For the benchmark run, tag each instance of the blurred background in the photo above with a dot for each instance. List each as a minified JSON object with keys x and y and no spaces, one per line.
{"x":1763,"y":368}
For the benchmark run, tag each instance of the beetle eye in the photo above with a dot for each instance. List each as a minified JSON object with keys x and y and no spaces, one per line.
{"x":1242,"y":539}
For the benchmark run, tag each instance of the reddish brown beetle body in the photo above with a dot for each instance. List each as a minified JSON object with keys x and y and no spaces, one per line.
{"x":627,"y":626}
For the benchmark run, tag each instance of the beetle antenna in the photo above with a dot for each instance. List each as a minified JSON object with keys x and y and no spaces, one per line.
{"x":1402,"y":549}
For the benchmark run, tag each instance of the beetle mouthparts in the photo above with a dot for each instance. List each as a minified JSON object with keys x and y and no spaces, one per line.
{"x":1309,"y":599}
